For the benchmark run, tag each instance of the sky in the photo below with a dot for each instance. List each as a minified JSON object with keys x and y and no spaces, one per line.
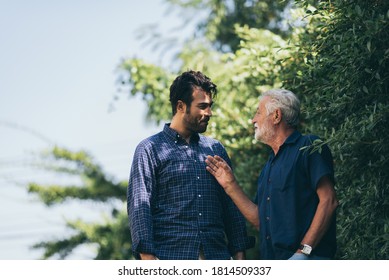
{"x":58,"y":72}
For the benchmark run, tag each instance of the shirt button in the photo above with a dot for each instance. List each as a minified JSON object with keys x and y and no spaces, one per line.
{"x":199,"y":195}
{"x":269,"y":180}
{"x":198,"y":177}
{"x":268,"y":237}
{"x":268,"y":198}
{"x":200,"y":214}
{"x":268,"y":218}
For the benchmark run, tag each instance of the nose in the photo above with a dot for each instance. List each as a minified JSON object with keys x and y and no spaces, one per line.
{"x":253,"y":120}
{"x":208,"y":112}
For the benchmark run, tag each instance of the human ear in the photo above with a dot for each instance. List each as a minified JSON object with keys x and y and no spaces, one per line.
{"x":277,"y":116}
{"x":181,"y":106}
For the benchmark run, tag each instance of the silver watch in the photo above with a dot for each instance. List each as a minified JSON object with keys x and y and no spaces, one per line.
{"x":305,"y":249}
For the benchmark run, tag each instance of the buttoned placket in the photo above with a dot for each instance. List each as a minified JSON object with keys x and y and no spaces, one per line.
{"x":190,"y":151}
{"x":199,"y":198}
{"x":268,"y":199}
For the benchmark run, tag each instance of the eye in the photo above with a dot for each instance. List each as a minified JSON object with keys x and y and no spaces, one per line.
{"x":204,"y":106}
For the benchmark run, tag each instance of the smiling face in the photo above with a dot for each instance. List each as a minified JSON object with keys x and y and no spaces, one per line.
{"x":197,"y":116}
{"x":263,"y":126}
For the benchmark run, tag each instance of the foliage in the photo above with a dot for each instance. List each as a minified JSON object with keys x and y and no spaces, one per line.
{"x":111,"y":237}
{"x":337,"y":63}
{"x":149,"y":81}
{"x":222,"y":17}
{"x":343,"y":78}
{"x":335,"y":59}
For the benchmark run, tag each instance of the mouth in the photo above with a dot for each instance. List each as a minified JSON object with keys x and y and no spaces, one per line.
{"x":205,"y":121}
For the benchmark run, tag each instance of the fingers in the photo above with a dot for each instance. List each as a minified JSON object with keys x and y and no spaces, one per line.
{"x":210,"y":170}
{"x":214,"y":160}
{"x":211,"y":164}
{"x":215,"y":164}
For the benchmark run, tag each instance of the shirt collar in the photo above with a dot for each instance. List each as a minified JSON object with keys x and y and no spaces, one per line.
{"x":293,"y":137}
{"x":290,"y":140}
{"x":176,"y":137}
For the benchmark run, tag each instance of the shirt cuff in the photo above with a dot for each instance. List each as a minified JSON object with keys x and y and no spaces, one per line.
{"x":242,"y":245}
{"x":143,"y":246}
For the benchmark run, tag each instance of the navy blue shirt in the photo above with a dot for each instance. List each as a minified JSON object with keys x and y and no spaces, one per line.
{"x":175,"y":206}
{"x":287,"y":198}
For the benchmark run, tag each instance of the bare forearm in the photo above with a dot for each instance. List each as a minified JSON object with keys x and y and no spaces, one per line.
{"x":248,"y":209}
{"x":223,"y":174}
{"x":146,"y":256}
{"x":241,"y":255}
{"x":320,"y":223}
{"x":324,"y":213}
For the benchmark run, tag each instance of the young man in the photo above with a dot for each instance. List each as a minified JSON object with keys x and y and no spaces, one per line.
{"x":295,"y":210}
{"x":176,"y":209}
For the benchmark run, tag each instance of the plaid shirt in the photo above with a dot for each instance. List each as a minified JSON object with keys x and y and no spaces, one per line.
{"x":175,"y":206}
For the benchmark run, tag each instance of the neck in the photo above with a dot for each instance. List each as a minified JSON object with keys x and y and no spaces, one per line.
{"x":180,"y":129}
{"x":282,"y":133}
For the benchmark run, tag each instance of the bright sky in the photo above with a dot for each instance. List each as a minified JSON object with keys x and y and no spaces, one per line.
{"x":57,"y":78}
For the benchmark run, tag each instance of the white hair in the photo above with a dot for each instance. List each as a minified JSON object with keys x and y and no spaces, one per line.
{"x":287,"y":102}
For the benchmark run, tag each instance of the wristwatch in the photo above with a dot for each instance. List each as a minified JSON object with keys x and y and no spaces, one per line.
{"x":305,"y":249}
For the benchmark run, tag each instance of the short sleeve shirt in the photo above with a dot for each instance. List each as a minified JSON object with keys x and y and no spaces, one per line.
{"x":287,"y":198}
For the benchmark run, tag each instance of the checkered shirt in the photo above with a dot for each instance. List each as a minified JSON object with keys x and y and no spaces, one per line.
{"x":175,"y":207}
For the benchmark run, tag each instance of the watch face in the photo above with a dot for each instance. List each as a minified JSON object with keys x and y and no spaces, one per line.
{"x":306,"y":249}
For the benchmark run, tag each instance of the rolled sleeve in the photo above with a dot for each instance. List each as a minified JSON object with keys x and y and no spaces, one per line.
{"x":139,"y":199}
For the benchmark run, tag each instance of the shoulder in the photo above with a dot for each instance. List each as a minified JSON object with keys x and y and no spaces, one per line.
{"x":310,"y":141}
{"x":305,"y":142}
{"x":315,"y":146}
{"x":150,"y":142}
{"x":309,"y":138}
{"x":209,"y":141}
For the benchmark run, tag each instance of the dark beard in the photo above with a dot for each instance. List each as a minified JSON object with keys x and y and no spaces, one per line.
{"x":194,"y":125}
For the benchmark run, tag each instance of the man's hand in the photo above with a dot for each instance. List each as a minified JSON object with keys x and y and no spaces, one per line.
{"x":145,"y":256}
{"x":221,"y":171}
{"x":241,"y":255}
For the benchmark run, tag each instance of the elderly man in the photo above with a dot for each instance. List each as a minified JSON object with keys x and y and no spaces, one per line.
{"x":295,"y":205}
